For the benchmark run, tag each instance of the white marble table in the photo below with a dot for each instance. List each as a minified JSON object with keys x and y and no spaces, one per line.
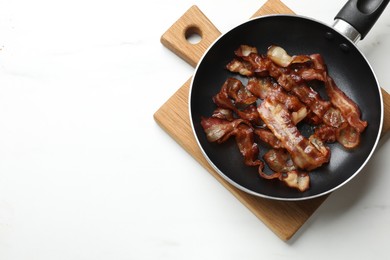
{"x":86,"y":173}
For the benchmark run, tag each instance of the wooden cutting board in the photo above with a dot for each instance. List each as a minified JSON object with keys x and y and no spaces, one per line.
{"x":284,"y":218}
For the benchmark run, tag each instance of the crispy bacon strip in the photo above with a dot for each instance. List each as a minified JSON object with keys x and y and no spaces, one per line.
{"x":234,"y":91}
{"x":311,"y":98}
{"x":279,"y":160}
{"x":293,"y":179}
{"x":223,"y":113}
{"x":318,"y":62}
{"x":234,"y":96}
{"x":279,"y":56}
{"x":245,"y":50}
{"x":333,"y":118}
{"x":304,"y":154}
{"x":347,"y":106}
{"x":348,"y":136}
{"x":316,"y":70}
{"x":326,"y":133}
{"x":243,"y":68}
{"x":219,"y":130}
{"x":263,"y":87}
{"x":262,"y":65}
{"x":268,"y":137}
{"x":248,"y":148}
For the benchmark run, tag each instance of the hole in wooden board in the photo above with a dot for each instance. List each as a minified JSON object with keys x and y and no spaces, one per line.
{"x":193,"y":34}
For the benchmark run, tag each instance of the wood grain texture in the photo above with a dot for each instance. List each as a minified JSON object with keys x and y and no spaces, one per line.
{"x":272,"y":7}
{"x":192,"y":21}
{"x":386,"y":108}
{"x":283,"y":218}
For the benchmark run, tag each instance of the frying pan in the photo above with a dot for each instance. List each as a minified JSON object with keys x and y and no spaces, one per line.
{"x":297,"y":35}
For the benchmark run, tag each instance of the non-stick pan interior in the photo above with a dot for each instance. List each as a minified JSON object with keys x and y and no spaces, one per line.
{"x":296,"y":35}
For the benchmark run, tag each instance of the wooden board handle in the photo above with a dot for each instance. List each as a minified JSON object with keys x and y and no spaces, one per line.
{"x":192,"y":22}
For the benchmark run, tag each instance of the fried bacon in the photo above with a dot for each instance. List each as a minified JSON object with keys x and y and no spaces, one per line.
{"x":248,"y":148}
{"x":243,"y":68}
{"x":261,"y":87}
{"x":279,"y":160}
{"x":333,"y":118}
{"x":279,"y":56}
{"x":325,"y":133}
{"x":264,"y":87}
{"x":348,"y":108}
{"x":293,"y":179}
{"x":234,"y":96}
{"x":245,"y":50}
{"x":219,"y":130}
{"x":303,"y":153}
{"x":311,"y":99}
{"x":281,"y":84}
{"x":223,"y":113}
{"x":235,"y":93}
{"x":268,"y":137}
{"x":348,"y":136}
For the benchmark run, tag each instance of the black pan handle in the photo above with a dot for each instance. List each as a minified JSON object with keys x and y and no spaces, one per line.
{"x":362,"y":14}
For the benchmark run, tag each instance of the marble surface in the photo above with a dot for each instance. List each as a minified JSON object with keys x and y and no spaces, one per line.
{"x":86,"y":173}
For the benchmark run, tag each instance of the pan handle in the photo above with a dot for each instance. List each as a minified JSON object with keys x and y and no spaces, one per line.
{"x":361,"y":15}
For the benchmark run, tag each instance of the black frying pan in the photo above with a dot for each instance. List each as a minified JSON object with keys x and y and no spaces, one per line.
{"x":297,"y":35}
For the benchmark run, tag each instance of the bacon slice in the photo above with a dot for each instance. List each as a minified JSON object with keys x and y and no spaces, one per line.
{"x":279,"y":160}
{"x":312,"y":99}
{"x":235,"y":93}
{"x":316,"y":70}
{"x":248,"y":148}
{"x":347,"y":106}
{"x":333,"y":118}
{"x":219,"y":130}
{"x":245,"y":50}
{"x":268,"y":137}
{"x":260,"y":87}
{"x":243,"y":68}
{"x":293,"y":179}
{"x":264,"y":87}
{"x":326,"y":133}
{"x":279,"y":56}
{"x":223,"y":113}
{"x":262,"y":65}
{"x":348,"y":136}
{"x":234,"y":96}
{"x":304,"y":154}
{"x":318,"y":62}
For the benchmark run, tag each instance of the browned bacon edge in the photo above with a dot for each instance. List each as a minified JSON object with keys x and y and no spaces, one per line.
{"x":219,"y":130}
{"x":304,"y":154}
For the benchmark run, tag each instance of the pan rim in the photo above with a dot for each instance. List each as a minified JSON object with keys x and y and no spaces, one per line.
{"x":281,"y":198}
